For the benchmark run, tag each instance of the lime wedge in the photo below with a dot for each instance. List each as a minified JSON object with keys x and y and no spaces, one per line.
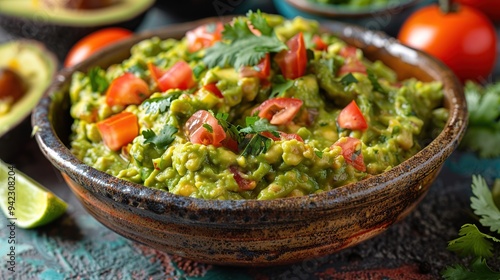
{"x":26,"y":202}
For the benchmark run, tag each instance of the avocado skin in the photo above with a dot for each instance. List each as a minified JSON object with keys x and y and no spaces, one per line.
{"x":57,"y":38}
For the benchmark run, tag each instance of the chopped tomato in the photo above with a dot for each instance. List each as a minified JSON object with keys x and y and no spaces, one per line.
{"x":351,"y":117}
{"x":283,"y":136}
{"x":293,"y":61}
{"x":319,"y":44}
{"x":126,"y":90}
{"x":212,"y":87}
{"x":352,"y":66}
{"x":243,"y":183}
{"x":198,"y":132}
{"x":280,"y":110}
{"x":261,"y":70}
{"x":118,"y":130}
{"x":204,"y":36}
{"x":179,"y":76}
{"x":155,"y":72}
{"x":348,"y":52}
{"x":351,"y":151}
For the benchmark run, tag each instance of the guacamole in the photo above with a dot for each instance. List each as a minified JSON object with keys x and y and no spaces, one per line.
{"x":260,"y":108}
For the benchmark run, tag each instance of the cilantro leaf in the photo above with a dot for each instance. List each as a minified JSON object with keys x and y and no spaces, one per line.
{"x":348,"y":79}
{"x":280,"y":85}
{"x":160,"y":104}
{"x":374,"y":80}
{"x":256,"y":145}
{"x":479,"y":270}
{"x":483,"y":204}
{"x":228,"y":127}
{"x":472,"y":242}
{"x":258,"y":125}
{"x":236,"y":30}
{"x":242,"y":52}
{"x":98,"y":81}
{"x":163,"y":139}
{"x":259,"y":22}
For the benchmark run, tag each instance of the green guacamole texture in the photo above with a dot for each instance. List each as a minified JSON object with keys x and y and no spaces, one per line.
{"x":401,"y":117}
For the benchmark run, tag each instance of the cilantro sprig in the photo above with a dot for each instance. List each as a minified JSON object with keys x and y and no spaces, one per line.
{"x":161,"y":140}
{"x":483,"y":133}
{"x":240,"y":46}
{"x":160,"y":104}
{"x":474,"y":243}
{"x":98,"y":81}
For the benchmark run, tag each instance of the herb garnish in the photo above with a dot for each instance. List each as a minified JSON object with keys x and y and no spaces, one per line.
{"x":240,"y":46}
{"x":474,"y":243}
{"x":160,"y":104}
{"x":163,"y":139}
{"x":98,"y":81}
{"x":374,"y":80}
{"x":348,"y":79}
{"x":279,"y":86}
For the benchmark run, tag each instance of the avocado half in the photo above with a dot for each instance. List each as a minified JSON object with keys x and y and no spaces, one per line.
{"x":60,"y":28}
{"x":37,"y":67}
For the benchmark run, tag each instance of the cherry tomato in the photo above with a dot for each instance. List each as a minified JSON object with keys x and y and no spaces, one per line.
{"x":204,"y":36}
{"x":118,"y":130}
{"x":293,"y":61}
{"x":465,"y":39}
{"x":491,"y":8}
{"x":351,"y":151}
{"x":351,"y":117}
{"x":198,"y":133}
{"x":93,"y":42}
{"x":261,"y":70}
{"x":243,"y":183}
{"x":179,"y":76}
{"x":126,"y":90}
{"x":280,"y":110}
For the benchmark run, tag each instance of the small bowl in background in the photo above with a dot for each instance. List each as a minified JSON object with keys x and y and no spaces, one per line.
{"x":253,"y":232}
{"x":387,"y":19}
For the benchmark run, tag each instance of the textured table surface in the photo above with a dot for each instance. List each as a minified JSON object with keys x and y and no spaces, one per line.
{"x":76,"y":246}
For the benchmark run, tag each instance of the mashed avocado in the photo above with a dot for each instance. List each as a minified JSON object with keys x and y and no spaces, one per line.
{"x":261,"y":108}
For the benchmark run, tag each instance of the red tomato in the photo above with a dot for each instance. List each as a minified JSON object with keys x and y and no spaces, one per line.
{"x":212,"y":87}
{"x":155,"y":72}
{"x":491,"y":8}
{"x":280,"y":110}
{"x":352,"y":63}
{"x":179,"y":76}
{"x":351,"y":117}
{"x":283,"y":136}
{"x":319,"y":44}
{"x":261,"y":70}
{"x":118,"y":130}
{"x":351,"y":151}
{"x":199,"y":134}
{"x":126,"y":90}
{"x":465,"y":40}
{"x":204,"y":36}
{"x":293,"y":61}
{"x":93,"y":42}
{"x":243,"y":183}
{"x":349,"y":52}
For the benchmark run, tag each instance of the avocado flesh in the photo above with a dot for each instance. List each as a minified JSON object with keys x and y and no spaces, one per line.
{"x":115,"y":13}
{"x":37,"y":67}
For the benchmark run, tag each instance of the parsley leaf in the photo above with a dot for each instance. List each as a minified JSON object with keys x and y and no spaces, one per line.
{"x":163,"y":139}
{"x":374,"y":80}
{"x":98,"y":81}
{"x":240,"y":47}
{"x":348,"y":79}
{"x":160,"y":104}
{"x":483,"y":204}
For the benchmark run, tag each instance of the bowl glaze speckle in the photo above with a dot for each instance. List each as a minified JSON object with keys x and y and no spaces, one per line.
{"x":252,"y":232}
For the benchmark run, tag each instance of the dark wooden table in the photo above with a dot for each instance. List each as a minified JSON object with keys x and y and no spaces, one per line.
{"x":76,"y":246}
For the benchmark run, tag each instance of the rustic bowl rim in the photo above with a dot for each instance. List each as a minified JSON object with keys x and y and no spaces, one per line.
{"x":336,"y":11}
{"x":338,"y":199}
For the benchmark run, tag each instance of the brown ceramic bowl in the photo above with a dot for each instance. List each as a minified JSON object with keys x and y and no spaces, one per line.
{"x":252,"y":232}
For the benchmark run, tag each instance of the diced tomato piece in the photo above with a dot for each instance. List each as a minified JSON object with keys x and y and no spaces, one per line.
{"x":352,"y":66}
{"x":351,"y":117}
{"x":261,"y":70}
{"x":280,"y":110}
{"x":212,"y":87}
{"x":199,"y":134}
{"x":351,"y":151}
{"x":283,"y":136}
{"x":319,"y":44}
{"x":118,"y":130}
{"x":179,"y":76}
{"x":348,"y":52}
{"x":126,"y":90}
{"x":204,"y":36}
{"x":293,"y":62}
{"x":155,"y":72}
{"x":243,"y":183}
{"x":230,"y":143}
